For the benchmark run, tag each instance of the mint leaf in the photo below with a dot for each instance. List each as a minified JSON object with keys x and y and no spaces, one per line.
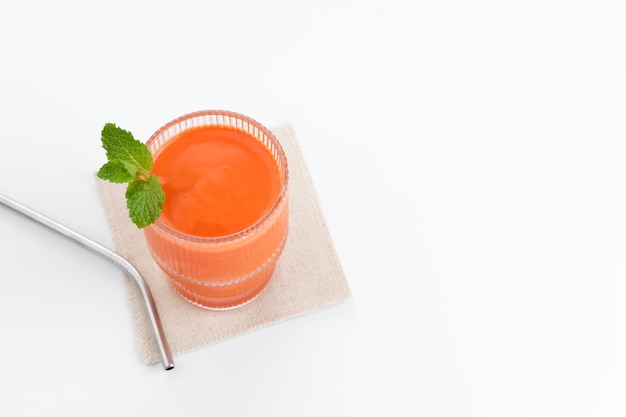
{"x":122,"y":146}
{"x":144,"y":199}
{"x":116,"y":171}
{"x":130,"y":161}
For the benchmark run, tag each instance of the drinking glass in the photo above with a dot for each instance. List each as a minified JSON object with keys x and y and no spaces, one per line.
{"x":224,"y":271}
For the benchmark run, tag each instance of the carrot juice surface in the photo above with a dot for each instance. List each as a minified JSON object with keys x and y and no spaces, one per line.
{"x":217,"y":181}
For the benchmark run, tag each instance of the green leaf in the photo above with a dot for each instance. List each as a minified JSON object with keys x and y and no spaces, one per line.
{"x":130,"y":161}
{"x":121,"y":146}
{"x":116,"y":171}
{"x":144,"y":199}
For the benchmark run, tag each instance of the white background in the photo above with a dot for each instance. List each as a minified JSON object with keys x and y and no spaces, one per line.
{"x":469,"y":159}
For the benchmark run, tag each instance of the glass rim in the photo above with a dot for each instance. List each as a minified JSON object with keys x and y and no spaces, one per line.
{"x":280,"y":198}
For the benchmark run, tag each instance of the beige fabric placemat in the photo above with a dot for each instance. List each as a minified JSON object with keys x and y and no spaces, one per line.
{"x":308,"y":276}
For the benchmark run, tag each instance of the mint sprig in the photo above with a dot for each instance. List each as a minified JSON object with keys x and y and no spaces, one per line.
{"x":130,"y":161}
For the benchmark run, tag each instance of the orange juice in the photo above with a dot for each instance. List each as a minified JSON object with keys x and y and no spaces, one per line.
{"x":217,"y":180}
{"x":224,"y":221}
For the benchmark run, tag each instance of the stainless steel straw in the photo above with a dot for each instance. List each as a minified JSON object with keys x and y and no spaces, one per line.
{"x":113,"y":257}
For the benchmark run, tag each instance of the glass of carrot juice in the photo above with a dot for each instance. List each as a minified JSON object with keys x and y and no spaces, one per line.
{"x":225,"y":217}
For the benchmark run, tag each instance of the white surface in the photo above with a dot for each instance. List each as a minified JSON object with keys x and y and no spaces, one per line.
{"x":469,"y":159}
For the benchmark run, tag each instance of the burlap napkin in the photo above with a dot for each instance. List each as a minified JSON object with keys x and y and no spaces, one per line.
{"x":308,"y":276}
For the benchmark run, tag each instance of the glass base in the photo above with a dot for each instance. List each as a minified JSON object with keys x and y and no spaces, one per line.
{"x":209,"y":298}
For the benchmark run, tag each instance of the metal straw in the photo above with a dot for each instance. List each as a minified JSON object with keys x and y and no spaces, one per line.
{"x":113,"y":257}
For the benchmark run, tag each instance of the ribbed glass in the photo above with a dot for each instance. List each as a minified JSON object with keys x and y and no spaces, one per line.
{"x":226,"y":271}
